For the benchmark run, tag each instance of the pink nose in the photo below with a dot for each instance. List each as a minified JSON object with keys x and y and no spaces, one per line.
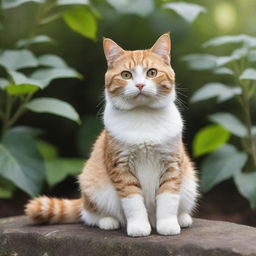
{"x":140,"y":86}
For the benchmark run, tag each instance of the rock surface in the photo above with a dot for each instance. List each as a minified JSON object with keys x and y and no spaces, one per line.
{"x":213,"y":238}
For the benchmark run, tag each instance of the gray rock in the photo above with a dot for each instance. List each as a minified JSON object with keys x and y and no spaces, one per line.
{"x":213,"y":238}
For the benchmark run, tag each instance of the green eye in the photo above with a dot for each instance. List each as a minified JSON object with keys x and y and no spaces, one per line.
{"x":126,"y":75}
{"x":152,"y":72}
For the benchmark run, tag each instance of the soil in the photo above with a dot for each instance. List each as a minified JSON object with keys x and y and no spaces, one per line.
{"x":221,"y":203}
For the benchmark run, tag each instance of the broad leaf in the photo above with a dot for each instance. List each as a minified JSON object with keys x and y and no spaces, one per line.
{"x":20,"y":79}
{"x":221,"y":165}
{"x":20,"y":160}
{"x":57,"y":169}
{"x":234,"y":56}
{"x":3,"y":83}
{"x":53,"y":106}
{"x":223,"y":71}
{"x":46,"y":75}
{"x":82,"y":21}
{"x":230,"y":122}
{"x":35,"y":40}
{"x":21,"y":89}
{"x":73,"y":2}
{"x":60,"y":168}
{"x":17,"y":59}
{"x":200,"y":61}
{"x":6,"y":4}
{"x":187,"y":11}
{"x":219,"y":90}
{"x":209,"y":139}
{"x":248,"y":74}
{"x":252,"y":56}
{"x":246,"y":184}
{"x":247,"y":40}
{"x":138,"y":7}
{"x":51,"y":60}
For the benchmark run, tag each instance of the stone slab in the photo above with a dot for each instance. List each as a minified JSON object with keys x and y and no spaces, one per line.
{"x":206,"y":238}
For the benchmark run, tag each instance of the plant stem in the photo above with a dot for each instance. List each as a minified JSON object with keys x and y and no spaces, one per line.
{"x":8,"y":122}
{"x":247,"y":111}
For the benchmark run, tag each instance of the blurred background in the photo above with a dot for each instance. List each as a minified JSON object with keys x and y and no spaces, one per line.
{"x":62,"y":40}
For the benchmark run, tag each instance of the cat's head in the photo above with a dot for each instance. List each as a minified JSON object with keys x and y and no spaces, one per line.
{"x":139,"y":78}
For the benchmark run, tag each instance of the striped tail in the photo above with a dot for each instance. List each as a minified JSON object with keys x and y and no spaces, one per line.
{"x":53,"y":210}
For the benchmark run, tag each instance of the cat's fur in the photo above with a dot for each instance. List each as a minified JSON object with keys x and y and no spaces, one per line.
{"x":138,"y":174}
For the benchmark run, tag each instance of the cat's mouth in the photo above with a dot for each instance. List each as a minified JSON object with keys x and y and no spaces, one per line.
{"x":140,"y":95}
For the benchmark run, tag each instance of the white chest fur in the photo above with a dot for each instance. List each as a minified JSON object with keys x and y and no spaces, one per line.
{"x":139,"y":126}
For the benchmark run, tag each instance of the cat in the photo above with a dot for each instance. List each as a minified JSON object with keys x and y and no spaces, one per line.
{"x":138,"y":174}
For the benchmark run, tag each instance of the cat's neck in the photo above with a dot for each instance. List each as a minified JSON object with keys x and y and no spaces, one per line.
{"x":143,"y":125}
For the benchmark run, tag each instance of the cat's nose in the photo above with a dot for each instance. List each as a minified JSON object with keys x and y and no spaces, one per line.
{"x":140,"y":86}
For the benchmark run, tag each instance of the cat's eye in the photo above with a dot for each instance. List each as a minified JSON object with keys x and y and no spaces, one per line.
{"x":126,"y":75}
{"x":152,"y":72}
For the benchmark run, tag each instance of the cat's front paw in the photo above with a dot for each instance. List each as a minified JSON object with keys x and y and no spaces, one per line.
{"x":168,"y":227}
{"x":138,"y":228}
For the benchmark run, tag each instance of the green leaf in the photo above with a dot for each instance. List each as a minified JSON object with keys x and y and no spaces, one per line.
{"x":6,"y":188}
{"x":138,"y":7}
{"x":187,"y":11}
{"x":247,"y":40}
{"x":246,"y":184}
{"x":47,"y":150}
{"x":6,"y":4}
{"x":248,"y":74}
{"x":20,"y":79}
{"x":88,"y":133}
{"x":219,"y":90}
{"x":81,"y":20}
{"x":3,"y":83}
{"x":73,"y":2}
{"x":20,"y":161}
{"x":221,"y":165}
{"x":53,"y":106}
{"x":230,"y":122}
{"x":17,"y":59}
{"x":223,"y":71}
{"x":59,"y":169}
{"x":209,"y":139}
{"x":35,"y":40}
{"x":51,"y":60}
{"x":21,"y":89}
{"x":252,"y":56}
{"x":46,"y":75}
{"x":234,"y":56}
{"x":200,"y":61}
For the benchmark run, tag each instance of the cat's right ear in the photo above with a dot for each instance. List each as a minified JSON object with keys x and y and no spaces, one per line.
{"x":112,"y":50}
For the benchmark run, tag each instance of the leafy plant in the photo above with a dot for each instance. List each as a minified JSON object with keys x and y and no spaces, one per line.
{"x":227,"y":161}
{"x":23,"y":160}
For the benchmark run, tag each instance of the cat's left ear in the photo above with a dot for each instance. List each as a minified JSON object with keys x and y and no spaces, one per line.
{"x":112,"y":50}
{"x":162,"y":47}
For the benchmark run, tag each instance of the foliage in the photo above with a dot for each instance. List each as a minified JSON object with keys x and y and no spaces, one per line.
{"x":22,"y":162}
{"x":25,"y":160}
{"x":229,"y":161}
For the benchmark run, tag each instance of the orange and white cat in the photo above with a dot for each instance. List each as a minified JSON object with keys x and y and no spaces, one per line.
{"x":138,"y":174}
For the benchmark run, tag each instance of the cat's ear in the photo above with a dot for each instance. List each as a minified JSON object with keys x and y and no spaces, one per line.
{"x":162,"y":47}
{"x":112,"y":50}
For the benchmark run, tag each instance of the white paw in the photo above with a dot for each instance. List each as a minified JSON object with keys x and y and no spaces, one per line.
{"x":185,"y":220}
{"x":108,"y":223}
{"x":168,"y":226}
{"x":138,"y":228}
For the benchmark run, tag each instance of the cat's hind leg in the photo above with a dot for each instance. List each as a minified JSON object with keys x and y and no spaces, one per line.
{"x":188,"y":197}
{"x":93,"y":219}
